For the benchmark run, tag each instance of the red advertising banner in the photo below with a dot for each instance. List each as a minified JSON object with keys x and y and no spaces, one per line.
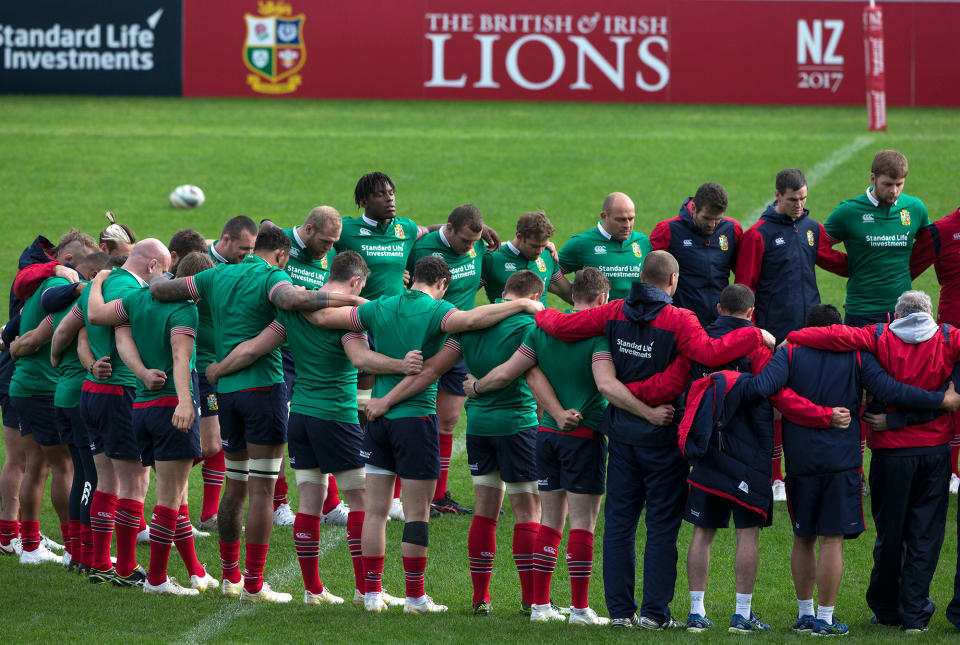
{"x":681,"y":51}
{"x":873,"y":58}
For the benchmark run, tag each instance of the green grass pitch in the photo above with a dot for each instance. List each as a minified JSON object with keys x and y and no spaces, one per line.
{"x":64,"y":161}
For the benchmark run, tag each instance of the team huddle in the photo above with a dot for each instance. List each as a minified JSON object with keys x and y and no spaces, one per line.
{"x":355,"y":342}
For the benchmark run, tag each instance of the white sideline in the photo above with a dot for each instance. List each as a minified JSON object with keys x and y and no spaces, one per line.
{"x":820,"y":171}
{"x":209,"y":628}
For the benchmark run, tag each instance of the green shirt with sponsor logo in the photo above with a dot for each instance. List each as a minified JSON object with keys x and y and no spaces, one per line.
{"x":72,"y":373}
{"x":239,"y":299}
{"x":326,"y":385}
{"x":878,"y":240}
{"x":507,"y":260}
{"x":619,"y":261}
{"x":466,"y":269}
{"x":102,"y":341}
{"x":384,"y":246}
{"x":304,"y":271}
{"x":152,"y":325}
{"x":568,"y":368}
{"x":507,"y":411}
{"x":33,"y":375}
{"x":411,"y":320}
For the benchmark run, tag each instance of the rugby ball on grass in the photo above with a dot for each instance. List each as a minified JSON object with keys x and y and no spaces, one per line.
{"x":186,"y":197}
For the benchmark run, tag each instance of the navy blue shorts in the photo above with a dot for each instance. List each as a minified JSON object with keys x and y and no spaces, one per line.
{"x":157,"y":438}
{"x":575,"y":462}
{"x":409,"y":446}
{"x":72,"y":426}
{"x":710,"y":511}
{"x":289,"y":372}
{"x":331,"y":446}
{"x":854,"y":320}
{"x":207,"y":394}
{"x":257,"y":416}
{"x":452,"y":381}
{"x":515,"y":455}
{"x":39,"y":418}
{"x":10,"y":417}
{"x":108,"y":412}
{"x":827,"y":504}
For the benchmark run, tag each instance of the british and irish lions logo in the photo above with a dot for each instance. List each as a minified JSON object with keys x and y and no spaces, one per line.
{"x":274,"y":49}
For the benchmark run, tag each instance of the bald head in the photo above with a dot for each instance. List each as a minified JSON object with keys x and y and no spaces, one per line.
{"x":148,"y":259}
{"x":617,"y":216}
{"x":660,"y":270}
{"x":321,"y":230}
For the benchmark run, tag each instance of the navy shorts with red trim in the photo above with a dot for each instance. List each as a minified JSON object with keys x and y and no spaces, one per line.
{"x":331,"y":446}
{"x":11,"y":419}
{"x":409,"y":446}
{"x":514,"y":456}
{"x":572,"y":461}
{"x":257,"y":416}
{"x":710,"y":511}
{"x":72,"y":426}
{"x":452,"y":381}
{"x":157,"y":438}
{"x":207,"y":395}
{"x":108,"y":412}
{"x":38,"y":417}
{"x":827,"y":504}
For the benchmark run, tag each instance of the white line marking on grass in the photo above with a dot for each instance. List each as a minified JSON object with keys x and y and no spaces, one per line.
{"x":820,"y":171}
{"x":211,"y":627}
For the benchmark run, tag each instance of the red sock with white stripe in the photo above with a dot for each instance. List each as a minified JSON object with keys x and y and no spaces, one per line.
{"x":306,"y":540}
{"x":446,"y":449}
{"x":414,"y":570}
{"x":544,"y":562}
{"x":373,"y":573}
{"x":254,"y":563}
{"x":580,"y":565}
{"x":333,"y":495}
{"x":65,"y":536}
{"x":481,"y":549}
{"x":163,"y":526}
{"x":103,"y":508}
{"x":183,"y":539}
{"x":524,"y":539}
{"x":230,"y":561}
{"x":128,"y":517}
{"x":354,"y":529}
{"x":213,"y":471}
{"x":30,"y":535}
{"x":9,"y":531}
{"x":280,"y":491}
{"x":143,"y":522}
{"x":777,"y":470}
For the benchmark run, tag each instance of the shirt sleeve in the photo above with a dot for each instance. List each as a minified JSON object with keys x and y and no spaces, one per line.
{"x":440,"y":315}
{"x":276,"y":279}
{"x":660,"y":236}
{"x":583,"y":324}
{"x":530,"y":342}
{"x":184,"y":320}
{"x":362,"y":317}
{"x":664,"y":386}
{"x":569,"y":260}
{"x":30,"y":278}
{"x":835,"y":226}
{"x":198,"y":285}
{"x":749,"y":259}
{"x":123,"y":306}
{"x":836,"y":338}
{"x":829,"y":258}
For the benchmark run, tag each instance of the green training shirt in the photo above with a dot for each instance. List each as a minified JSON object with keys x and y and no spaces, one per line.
{"x":411,"y":320}
{"x":206,"y":346}
{"x":33,"y":375}
{"x":153,"y":324}
{"x":303,"y":270}
{"x":878,"y":240}
{"x":568,"y":368}
{"x":385,"y":248}
{"x":326,"y":384}
{"x":72,"y":374}
{"x":239,"y":298}
{"x":102,"y":341}
{"x":504,"y":412}
{"x":507,"y":260}
{"x":466,"y":269}
{"x":619,"y":261}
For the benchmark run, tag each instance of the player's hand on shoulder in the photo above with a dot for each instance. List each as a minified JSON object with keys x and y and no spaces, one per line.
{"x":532,"y":306}
{"x":490,"y":238}
{"x":67,"y":273}
{"x":413,"y":362}
{"x":841,"y":418}
{"x":553,"y":252}
{"x":768,"y":339}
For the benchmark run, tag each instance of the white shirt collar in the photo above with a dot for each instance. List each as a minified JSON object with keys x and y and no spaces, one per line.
{"x":603,"y":231}
{"x":220,"y":258}
{"x":371,"y":222}
{"x":874,"y":200}
{"x":296,"y":236}
{"x":143,"y":283}
{"x":443,"y":238}
{"x":513,"y":249}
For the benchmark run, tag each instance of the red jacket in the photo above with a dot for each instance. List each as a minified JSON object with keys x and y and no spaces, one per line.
{"x":939,"y":245}
{"x":925,"y":364}
{"x":31,"y":277}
